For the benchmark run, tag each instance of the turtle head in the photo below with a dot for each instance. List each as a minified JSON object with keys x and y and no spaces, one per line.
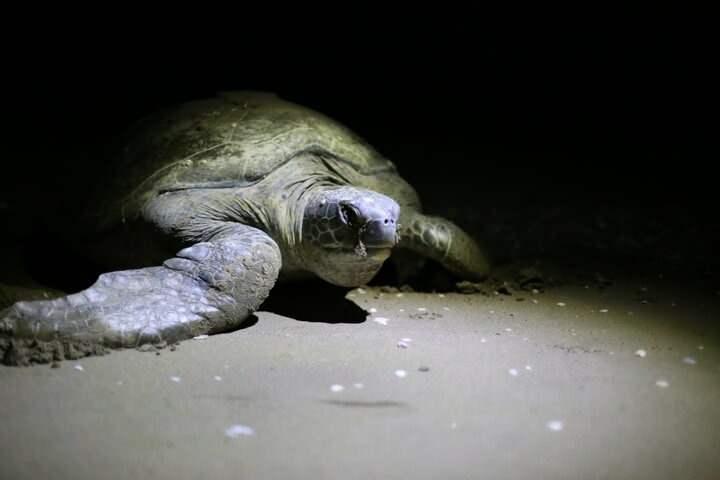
{"x":348,"y":233}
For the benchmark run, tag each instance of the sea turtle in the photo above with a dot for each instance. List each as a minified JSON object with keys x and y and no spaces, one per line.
{"x":208,"y":203}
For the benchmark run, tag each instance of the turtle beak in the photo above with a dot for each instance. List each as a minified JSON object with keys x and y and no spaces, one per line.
{"x":380,"y":233}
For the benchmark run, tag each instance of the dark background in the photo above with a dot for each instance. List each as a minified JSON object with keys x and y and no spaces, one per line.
{"x":590,"y":141}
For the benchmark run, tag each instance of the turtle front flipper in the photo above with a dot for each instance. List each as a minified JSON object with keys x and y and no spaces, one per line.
{"x":441,"y":240}
{"x":209,"y":287}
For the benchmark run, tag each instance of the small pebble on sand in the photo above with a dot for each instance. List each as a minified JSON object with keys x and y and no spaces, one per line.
{"x":446,"y":309}
{"x":441,"y":295}
{"x":662,"y":383}
{"x":175,"y":379}
{"x":701,"y":347}
{"x":373,"y":310}
{"x":422,"y":309}
{"x":399,"y":295}
{"x":359,"y":386}
{"x":380,"y":320}
{"x":218,"y":378}
{"x":424,"y":369}
{"x":337,"y":388}
{"x":402,"y":344}
{"x":528,"y":368}
{"x":555,"y":425}
{"x":361,"y":291}
{"x":513,"y":372}
{"x":604,"y":310}
{"x":508,"y":329}
{"x":483,"y":340}
{"x":535,"y":301}
{"x":235,"y":431}
{"x":641,"y":353}
{"x":400,"y":373}
{"x":561,"y":304}
{"x":401,"y":310}
{"x":201,"y":337}
{"x":79,"y":368}
{"x":689,"y":360}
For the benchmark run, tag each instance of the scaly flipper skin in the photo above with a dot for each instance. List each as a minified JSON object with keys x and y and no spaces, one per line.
{"x":443,"y":241}
{"x":209,"y":287}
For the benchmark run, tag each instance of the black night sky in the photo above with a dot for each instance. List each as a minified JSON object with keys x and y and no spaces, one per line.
{"x":477,"y":118}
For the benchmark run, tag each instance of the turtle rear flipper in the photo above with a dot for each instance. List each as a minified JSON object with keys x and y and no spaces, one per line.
{"x":210,"y":287}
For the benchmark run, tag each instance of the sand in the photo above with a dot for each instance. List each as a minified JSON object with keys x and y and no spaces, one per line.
{"x":619,"y":381}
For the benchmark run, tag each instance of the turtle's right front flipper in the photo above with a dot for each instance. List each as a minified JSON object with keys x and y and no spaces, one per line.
{"x":209,"y":287}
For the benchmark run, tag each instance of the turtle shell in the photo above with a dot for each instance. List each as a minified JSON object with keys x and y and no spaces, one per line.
{"x":232,"y":140}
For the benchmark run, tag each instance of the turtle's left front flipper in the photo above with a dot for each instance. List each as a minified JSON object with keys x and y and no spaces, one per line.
{"x":210,"y":287}
{"x":441,"y":240}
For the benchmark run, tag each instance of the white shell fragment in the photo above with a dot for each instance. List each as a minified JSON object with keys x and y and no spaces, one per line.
{"x":79,"y":368}
{"x":400,"y":373}
{"x":401,"y":344}
{"x":201,"y":337}
{"x":604,"y":310}
{"x":235,"y":431}
{"x":689,"y":360}
{"x":555,"y":425}
{"x":561,"y":304}
{"x":662,"y":383}
{"x":373,"y":310}
{"x":175,"y":379}
{"x":337,"y":388}
{"x":641,"y":353}
{"x":380,"y":320}
{"x":513,"y":372}
{"x":528,"y":368}
{"x":217,"y":378}
{"x":422,"y":309}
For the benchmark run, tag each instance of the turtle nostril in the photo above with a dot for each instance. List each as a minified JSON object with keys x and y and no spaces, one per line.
{"x":386,"y":221}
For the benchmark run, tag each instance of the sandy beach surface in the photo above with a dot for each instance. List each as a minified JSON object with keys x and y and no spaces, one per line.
{"x":611,"y":379}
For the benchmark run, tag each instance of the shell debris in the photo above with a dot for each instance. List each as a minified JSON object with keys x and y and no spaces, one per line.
{"x":359,"y":385}
{"x":401,"y":373}
{"x":689,"y":360}
{"x":555,"y":425}
{"x":641,"y":353}
{"x":513,"y":372}
{"x":561,"y":304}
{"x":235,"y":431}
{"x":380,"y":320}
{"x":201,"y":337}
{"x":79,"y":368}
{"x":662,"y":383}
{"x":176,"y":379}
{"x":336,"y":388}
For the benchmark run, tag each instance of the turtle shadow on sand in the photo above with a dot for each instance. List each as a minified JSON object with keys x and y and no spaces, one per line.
{"x":314,"y":301}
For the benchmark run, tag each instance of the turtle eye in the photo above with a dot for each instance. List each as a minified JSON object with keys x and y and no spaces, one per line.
{"x":348,"y":214}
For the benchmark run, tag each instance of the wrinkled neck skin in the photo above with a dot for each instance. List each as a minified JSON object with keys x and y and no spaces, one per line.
{"x":278,"y":204}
